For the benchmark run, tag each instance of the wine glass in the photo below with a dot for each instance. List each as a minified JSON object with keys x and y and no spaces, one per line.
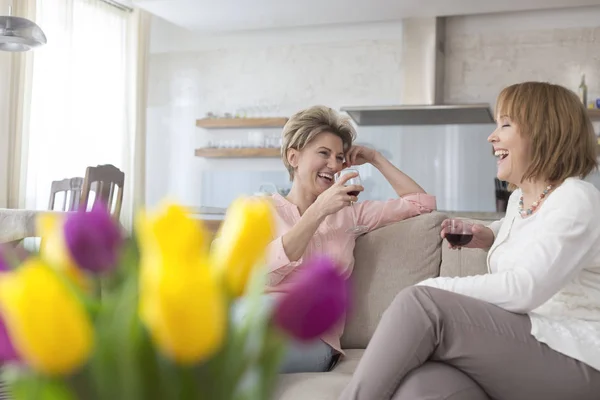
{"x":356,"y":229}
{"x":459,"y":232}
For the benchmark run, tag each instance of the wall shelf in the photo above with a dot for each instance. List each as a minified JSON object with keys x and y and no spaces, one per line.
{"x":236,"y":123}
{"x":239,"y":153}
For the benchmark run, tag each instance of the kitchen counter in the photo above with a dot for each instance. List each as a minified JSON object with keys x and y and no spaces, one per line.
{"x":207,"y":210}
{"x":486,"y":216}
{"x":219,"y":213}
{"x":211,"y":217}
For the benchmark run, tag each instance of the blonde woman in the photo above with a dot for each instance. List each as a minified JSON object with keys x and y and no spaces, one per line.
{"x":314,"y":216}
{"x":530,"y":328}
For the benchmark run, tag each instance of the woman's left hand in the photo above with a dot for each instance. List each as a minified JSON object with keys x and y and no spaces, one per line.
{"x":358,"y":155}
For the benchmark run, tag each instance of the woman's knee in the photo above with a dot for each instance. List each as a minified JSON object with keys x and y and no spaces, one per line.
{"x":419,"y":300}
{"x":424,"y":295}
{"x":438,"y":381}
{"x":409,"y":300}
{"x":412,"y":296}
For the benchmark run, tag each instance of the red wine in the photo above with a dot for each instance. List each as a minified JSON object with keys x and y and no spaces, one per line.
{"x":459,"y":239}
{"x":354,"y":193}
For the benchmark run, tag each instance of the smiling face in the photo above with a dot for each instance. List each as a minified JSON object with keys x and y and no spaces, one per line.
{"x":543,"y":134}
{"x":511,"y":149}
{"x":317,"y":163}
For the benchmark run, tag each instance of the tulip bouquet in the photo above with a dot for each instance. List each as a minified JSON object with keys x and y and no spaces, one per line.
{"x":96,"y":314}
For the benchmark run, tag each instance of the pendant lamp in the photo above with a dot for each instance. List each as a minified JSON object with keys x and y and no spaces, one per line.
{"x":19,"y":34}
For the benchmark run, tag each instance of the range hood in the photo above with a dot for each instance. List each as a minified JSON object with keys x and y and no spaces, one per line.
{"x":423,"y":59}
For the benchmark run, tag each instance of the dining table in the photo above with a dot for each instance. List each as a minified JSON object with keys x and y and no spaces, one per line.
{"x":18,"y":224}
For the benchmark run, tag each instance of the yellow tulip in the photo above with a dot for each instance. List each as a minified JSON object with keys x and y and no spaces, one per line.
{"x":181,"y":302}
{"x":54,"y":249}
{"x":248,"y":228}
{"x":48,"y":326}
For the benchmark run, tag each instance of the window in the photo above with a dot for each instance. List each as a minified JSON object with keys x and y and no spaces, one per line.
{"x":79,"y":94}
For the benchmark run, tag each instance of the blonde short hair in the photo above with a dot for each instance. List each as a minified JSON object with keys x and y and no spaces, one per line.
{"x":563,"y":143}
{"x":305,"y":125}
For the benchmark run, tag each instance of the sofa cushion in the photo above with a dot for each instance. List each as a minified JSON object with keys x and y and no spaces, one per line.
{"x":464,"y":262}
{"x":388,"y":260}
{"x":318,"y":386}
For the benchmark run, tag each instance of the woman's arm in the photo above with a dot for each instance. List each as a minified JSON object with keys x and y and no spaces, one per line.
{"x":375,"y":214}
{"x":402,"y":183}
{"x":567,"y":241}
{"x":296,"y":240}
{"x":412,"y":199}
{"x":285,"y":253}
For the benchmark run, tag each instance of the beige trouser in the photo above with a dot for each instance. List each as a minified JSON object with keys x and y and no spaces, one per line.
{"x":432,"y":344}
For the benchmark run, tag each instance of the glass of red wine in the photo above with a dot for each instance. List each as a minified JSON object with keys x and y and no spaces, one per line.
{"x":356,"y":229}
{"x":459,"y":232}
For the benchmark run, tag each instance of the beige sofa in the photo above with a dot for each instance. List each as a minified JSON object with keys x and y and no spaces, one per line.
{"x":387,"y":260}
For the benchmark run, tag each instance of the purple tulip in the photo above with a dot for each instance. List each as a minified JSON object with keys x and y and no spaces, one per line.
{"x":93,"y":239}
{"x":316,"y":301}
{"x":4,"y":265}
{"x":7,"y":351}
{"x":11,"y":257}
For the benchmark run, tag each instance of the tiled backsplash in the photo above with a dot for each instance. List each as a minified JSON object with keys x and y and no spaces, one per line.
{"x":453,"y":162}
{"x":225,"y":186}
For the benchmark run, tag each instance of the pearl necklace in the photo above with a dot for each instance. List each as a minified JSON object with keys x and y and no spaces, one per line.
{"x":535,"y":204}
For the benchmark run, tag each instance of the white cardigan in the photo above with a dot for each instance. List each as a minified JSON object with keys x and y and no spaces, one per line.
{"x":548,"y":266}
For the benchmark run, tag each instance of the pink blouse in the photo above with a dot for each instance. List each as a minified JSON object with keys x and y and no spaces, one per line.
{"x":332,"y":239}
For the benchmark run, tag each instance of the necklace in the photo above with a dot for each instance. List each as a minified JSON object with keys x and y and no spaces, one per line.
{"x":535,"y":204}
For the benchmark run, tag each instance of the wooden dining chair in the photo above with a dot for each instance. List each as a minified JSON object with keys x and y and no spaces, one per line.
{"x":106,"y":181}
{"x":72,"y":194}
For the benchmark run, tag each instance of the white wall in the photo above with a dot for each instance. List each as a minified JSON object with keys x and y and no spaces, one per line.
{"x":487,"y":52}
{"x":288,"y":70}
{"x":353,"y":65}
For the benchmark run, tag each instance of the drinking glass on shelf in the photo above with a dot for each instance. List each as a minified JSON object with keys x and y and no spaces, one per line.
{"x":274,"y":141}
{"x":257,"y":138}
{"x":356,"y":229}
{"x":459,"y":232}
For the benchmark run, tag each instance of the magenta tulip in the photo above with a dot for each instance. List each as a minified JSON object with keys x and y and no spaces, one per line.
{"x":316,"y":301}
{"x":7,"y":351}
{"x":4,"y":265}
{"x":93,"y":239}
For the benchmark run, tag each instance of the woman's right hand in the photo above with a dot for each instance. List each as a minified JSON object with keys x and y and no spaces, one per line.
{"x":483,"y":237}
{"x":336,"y":197}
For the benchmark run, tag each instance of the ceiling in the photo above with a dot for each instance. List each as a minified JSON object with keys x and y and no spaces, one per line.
{"x":237,"y":15}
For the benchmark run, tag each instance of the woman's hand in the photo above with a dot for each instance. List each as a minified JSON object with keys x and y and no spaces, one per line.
{"x":483,"y":237}
{"x":336,"y":197}
{"x":329,"y":202}
{"x":358,"y":155}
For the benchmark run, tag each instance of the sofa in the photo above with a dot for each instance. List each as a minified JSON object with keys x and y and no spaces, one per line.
{"x":387,"y":260}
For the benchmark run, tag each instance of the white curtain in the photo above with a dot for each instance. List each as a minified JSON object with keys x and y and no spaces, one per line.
{"x":15,"y":91}
{"x":85,"y":95}
{"x":139,"y":52}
